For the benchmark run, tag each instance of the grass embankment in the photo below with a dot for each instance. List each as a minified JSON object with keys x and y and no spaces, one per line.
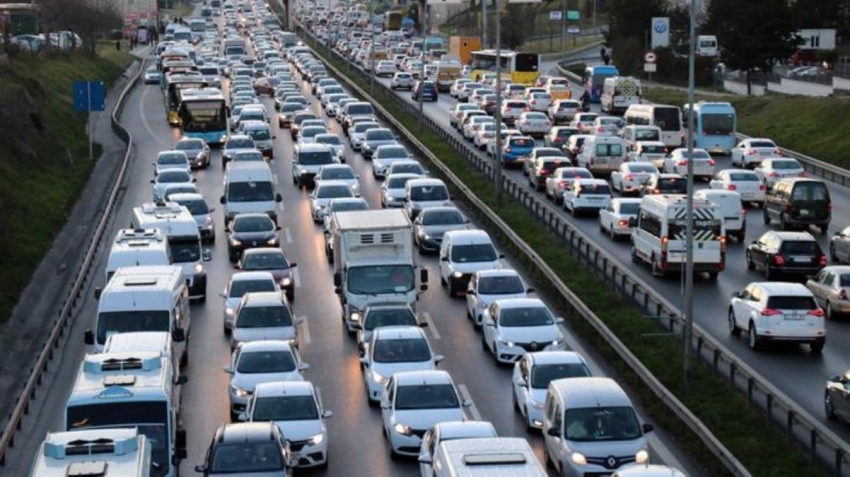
{"x":763,"y":449}
{"x":44,"y":159}
{"x":815,"y":127}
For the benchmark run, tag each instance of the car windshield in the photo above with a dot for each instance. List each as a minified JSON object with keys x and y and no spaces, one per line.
{"x":264,"y":317}
{"x":262,"y":362}
{"x":543,"y":374}
{"x":316,"y":158}
{"x":247,"y":156}
{"x":253,"y":224}
{"x":285,"y":408}
{"x":392,"y":152}
{"x":601,"y":424}
{"x":313,"y":131}
{"x":471,"y":253}
{"x":114,"y":322}
{"x":173,"y":176}
{"x":167,"y":159}
{"x":377,"y":318}
{"x":331,"y":140}
{"x":241,"y":287}
{"x":406,"y":350}
{"x":246,"y":457}
{"x":442,"y":217}
{"x":364,"y":126}
{"x":718,"y":124}
{"x":333,"y":191}
{"x":527,"y":316}
{"x":264,"y":261}
{"x":338,"y":173}
{"x":360,"y":110}
{"x":195,"y":206}
{"x":240,"y":143}
{"x":378,"y":279}
{"x":425,"y":396}
{"x":410,"y":168}
{"x":189,"y":145}
{"x":260,"y":134}
{"x":505,"y":285}
{"x":429,"y":193}
{"x":629,"y":208}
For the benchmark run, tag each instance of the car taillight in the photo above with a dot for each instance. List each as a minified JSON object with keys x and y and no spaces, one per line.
{"x":822,"y":261}
{"x":804,"y":174}
{"x":789,"y":207}
{"x":682,"y":162}
{"x":842,"y":295}
{"x":773,"y":174}
{"x":770,"y":312}
{"x":563,"y":184}
{"x":711,"y":162}
{"x":533,"y":102}
{"x":544,"y":172}
{"x":762,"y":187}
{"x":623,"y":223}
{"x":664,"y":242}
{"x":507,"y":149}
{"x":731,"y":187}
{"x":752,"y":152}
{"x":656,"y":191}
{"x":777,"y":152}
{"x":629,"y":177}
{"x":743,"y":211}
{"x":829,"y":206}
{"x":815,"y":312}
{"x":600,"y":129}
{"x":779,"y":260}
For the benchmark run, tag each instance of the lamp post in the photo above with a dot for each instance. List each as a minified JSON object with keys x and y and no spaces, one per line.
{"x":689,"y":217}
{"x":422,"y":65}
{"x":498,"y":170}
{"x":484,"y":43}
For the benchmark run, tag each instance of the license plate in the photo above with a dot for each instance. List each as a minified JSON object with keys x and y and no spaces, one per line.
{"x":804,"y":212}
{"x":794,"y":317}
{"x":801,"y":259}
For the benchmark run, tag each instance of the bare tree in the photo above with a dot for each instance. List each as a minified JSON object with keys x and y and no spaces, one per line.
{"x":94,"y":19}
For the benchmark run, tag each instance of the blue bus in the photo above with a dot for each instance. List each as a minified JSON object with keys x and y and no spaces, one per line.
{"x":594,"y":80}
{"x":203,"y":115}
{"x":715,"y":125}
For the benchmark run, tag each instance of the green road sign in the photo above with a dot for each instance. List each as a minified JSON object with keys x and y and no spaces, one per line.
{"x":573,"y":15}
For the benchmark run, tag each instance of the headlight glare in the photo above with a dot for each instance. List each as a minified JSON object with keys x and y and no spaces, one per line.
{"x":642,"y":456}
{"x":578,"y":459}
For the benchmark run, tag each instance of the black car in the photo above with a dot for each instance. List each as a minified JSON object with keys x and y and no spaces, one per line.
{"x":250,"y":231}
{"x":428,"y":90}
{"x":798,"y":203}
{"x":247,"y":448}
{"x":664,"y":184}
{"x":785,"y":253}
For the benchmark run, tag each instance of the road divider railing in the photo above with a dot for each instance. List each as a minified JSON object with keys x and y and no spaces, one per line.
{"x":570,"y":236}
{"x":57,"y":332}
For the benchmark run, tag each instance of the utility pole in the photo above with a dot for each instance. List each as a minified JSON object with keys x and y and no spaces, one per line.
{"x":498,"y":138}
{"x":563,"y":28}
{"x":371,"y":51}
{"x":422,"y":65}
{"x":689,"y":217}
{"x":484,"y":43}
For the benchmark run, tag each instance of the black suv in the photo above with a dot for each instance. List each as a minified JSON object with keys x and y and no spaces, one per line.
{"x":247,"y":448}
{"x":798,"y":203}
{"x":428,"y":90}
{"x":785,"y":253}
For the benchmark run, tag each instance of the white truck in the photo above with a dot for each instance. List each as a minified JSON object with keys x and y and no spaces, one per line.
{"x":374,"y":261}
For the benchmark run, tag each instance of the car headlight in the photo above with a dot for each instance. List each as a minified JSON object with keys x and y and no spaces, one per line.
{"x":481,"y":305}
{"x":235,"y":242}
{"x":508,"y":344}
{"x":286,"y":282}
{"x":578,"y":459}
{"x":199,"y":269}
{"x":642,"y":456}
{"x":272,"y":241}
{"x":402,"y":429}
{"x":457,"y":274}
{"x":208,"y":220}
{"x":355,"y":316}
{"x":317,"y":439}
{"x":557,"y":341}
{"x":240,"y":392}
{"x":378,"y":377}
{"x":229,"y":311}
{"x":426,"y":237}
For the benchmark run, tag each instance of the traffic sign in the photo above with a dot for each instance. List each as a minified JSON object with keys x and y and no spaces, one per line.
{"x":89,"y":96}
{"x":649,"y":67}
{"x":573,"y":15}
{"x":555,"y":16}
{"x":573,"y":30}
{"x":649,"y":57}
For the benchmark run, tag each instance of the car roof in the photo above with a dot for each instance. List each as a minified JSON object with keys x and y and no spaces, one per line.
{"x":790,"y":235}
{"x":521,"y":303}
{"x":262,"y":299}
{"x":245,"y":432}
{"x":412,"y":378}
{"x":185,"y":196}
{"x":425,"y":182}
{"x":251,"y":215}
{"x":435,"y":210}
{"x":264,"y":345}
{"x":312,"y":147}
{"x":284,"y":388}
{"x":590,"y":392}
{"x":248,"y":276}
{"x":259,"y":250}
{"x":501,"y":272}
{"x":464,"y":429}
{"x":398,"y":332}
{"x":784,"y":288}
{"x":467,"y":235}
{"x":555,"y":357}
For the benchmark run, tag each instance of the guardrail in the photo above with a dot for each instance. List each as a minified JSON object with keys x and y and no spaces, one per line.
{"x":22,"y":406}
{"x":515,"y":190}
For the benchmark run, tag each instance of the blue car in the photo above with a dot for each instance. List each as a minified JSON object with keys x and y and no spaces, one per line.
{"x":515,"y":149}
{"x":428,"y":89}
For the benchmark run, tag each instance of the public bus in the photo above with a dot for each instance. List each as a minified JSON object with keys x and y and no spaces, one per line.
{"x":520,"y":68}
{"x":174,"y":84}
{"x":667,"y":118}
{"x":203,"y":114}
{"x":714,"y":126}
{"x":594,"y":80}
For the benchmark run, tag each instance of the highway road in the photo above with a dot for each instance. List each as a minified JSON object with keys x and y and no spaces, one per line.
{"x":356,"y":445}
{"x":791,"y":368}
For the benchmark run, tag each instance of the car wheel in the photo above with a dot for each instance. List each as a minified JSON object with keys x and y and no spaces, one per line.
{"x":832,"y":256}
{"x":741,"y":236}
{"x":712,"y":276}
{"x":768,"y":272}
{"x":753,"y":340}
{"x":765,"y":215}
{"x":816,"y":347}
{"x":484,"y":343}
{"x":733,"y":327}
{"x":750,"y":264}
{"x":633,"y":254}
{"x":611,"y":233}
{"x":828,"y":312}
{"x":656,"y":269}
{"x":783,"y":224}
{"x":829,"y":407}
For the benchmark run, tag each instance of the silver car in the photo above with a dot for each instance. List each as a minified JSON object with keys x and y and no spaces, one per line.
{"x":431,"y":224}
{"x":264,"y":316}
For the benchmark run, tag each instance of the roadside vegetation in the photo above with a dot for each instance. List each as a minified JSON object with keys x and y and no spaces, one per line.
{"x":762,"y":447}
{"x":44,"y":159}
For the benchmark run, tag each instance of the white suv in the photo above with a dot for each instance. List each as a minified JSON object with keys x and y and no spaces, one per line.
{"x":515,"y":326}
{"x":777,"y":311}
{"x":401,"y":80}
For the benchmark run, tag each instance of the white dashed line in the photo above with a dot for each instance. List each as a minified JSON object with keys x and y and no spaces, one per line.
{"x":296,"y":275}
{"x":287,"y":235}
{"x":431,"y":326}
{"x":305,"y":331}
{"x":472,"y":409}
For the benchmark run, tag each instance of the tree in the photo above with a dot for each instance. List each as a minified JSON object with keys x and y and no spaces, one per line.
{"x":629,"y":24}
{"x":753,"y":35}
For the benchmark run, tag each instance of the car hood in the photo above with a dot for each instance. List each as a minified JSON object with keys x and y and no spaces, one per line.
{"x":250,"y":381}
{"x":388,"y":369}
{"x":253,"y":236}
{"x":193,"y":152}
{"x":530,"y":334}
{"x":258,"y":334}
{"x":472,"y":267}
{"x":300,"y":430}
{"x":426,"y":418}
{"x":608,"y":448}
{"x":439,"y":230}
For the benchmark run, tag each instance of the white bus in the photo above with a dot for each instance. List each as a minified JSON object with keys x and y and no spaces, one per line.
{"x":667,"y":118}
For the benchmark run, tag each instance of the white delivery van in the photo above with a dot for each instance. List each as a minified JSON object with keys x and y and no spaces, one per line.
{"x":618,"y":93}
{"x":659,"y":239}
{"x":732,"y":208}
{"x":125,"y":452}
{"x":633,"y":133}
{"x":462,"y":253}
{"x":602,"y":155}
{"x":486,"y":456}
{"x":249,"y":187}
{"x":148,"y":298}
{"x":590,"y":427}
{"x":135,"y":247}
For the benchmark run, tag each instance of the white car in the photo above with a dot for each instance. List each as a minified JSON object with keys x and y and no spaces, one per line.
{"x":506,"y":135}
{"x":393,"y":189}
{"x":382,"y":315}
{"x":241,"y":283}
{"x":384,"y":156}
{"x":466,"y":90}
{"x":619,"y":218}
{"x":677,"y":163}
{"x":591,"y":195}
{"x":295,"y":408}
{"x":333,"y":141}
{"x":773,"y":169}
{"x":487,"y":286}
{"x":533,"y":123}
{"x":358,"y":132}
{"x":512,"y":109}
{"x":474,"y":124}
{"x":777,"y":311}
{"x":516,"y":326}
{"x":166,"y":160}
{"x":750,"y":152}
{"x":413,"y":402}
{"x":456,"y":112}
{"x":648,"y":151}
{"x":339,"y":173}
{"x":401,"y":80}
{"x":606,"y":126}
{"x":746,"y":183}
{"x":456,"y":86}
{"x":540,"y":102}
{"x":446,"y":431}
{"x":260,"y":362}
{"x":384,"y":68}
{"x":486,"y":134}
{"x":326,"y":191}
{"x":169,"y":177}
{"x":584,"y":122}
{"x":264,"y":316}
{"x":562,"y":179}
{"x":532,"y":375}
{"x":630,"y":177}
{"x":307,"y":135}
{"x":393,"y":349}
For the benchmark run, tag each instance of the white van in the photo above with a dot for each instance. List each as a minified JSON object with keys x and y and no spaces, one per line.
{"x":633,"y":133}
{"x":135,"y":247}
{"x":159,"y":342}
{"x":659,"y":238}
{"x":483,"y":456}
{"x":462,"y":253}
{"x":602,"y":155}
{"x":148,"y":298}
{"x":734,"y":214}
{"x":249,"y":187}
{"x":707,"y":46}
{"x":618,"y":93}
{"x":590,"y":427}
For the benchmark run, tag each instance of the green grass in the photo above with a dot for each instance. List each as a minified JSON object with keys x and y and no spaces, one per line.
{"x":811,"y":126}
{"x":763,"y":448}
{"x":554,"y":45}
{"x":44,"y":159}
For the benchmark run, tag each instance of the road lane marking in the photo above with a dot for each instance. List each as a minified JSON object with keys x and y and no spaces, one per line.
{"x":296,"y":275}
{"x":145,"y":122}
{"x":472,"y":409}
{"x":288,"y":235}
{"x":305,"y":331}
{"x":431,"y":325}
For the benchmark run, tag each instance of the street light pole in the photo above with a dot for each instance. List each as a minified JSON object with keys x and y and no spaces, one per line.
{"x":689,"y":217}
{"x":484,"y":42}
{"x":498,"y":175}
{"x":422,"y":65}
{"x":372,"y":61}
{"x":563,"y":28}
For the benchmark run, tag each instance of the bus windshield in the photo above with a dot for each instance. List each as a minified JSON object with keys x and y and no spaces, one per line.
{"x":718,"y":124}
{"x":203,"y":116}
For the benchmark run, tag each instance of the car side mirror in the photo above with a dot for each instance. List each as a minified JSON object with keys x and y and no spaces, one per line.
{"x":194,"y":179}
{"x":501,"y":255}
{"x":337,"y":279}
{"x":152,"y":181}
{"x":385,"y":404}
{"x":97,"y":293}
{"x":530,"y":290}
{"x":467,"y":403}
{"x":200,"y":469}
{"x":88,"y":337}
{"x":178,"y":335}
{"x":278,"y":198}
{"x":425,"y":459}
{"x":228,"y":370}
{"x":735,"y":294}
{"x":471,"y":292}
{"x":222,"y":200}
{"x":559,"y":320}
{"x":180,"y":439}
{"x":303,"y":367}
{"x":364,"y":361}
{"x":423,"y":275}
{"x":242,"y":417}
{"x":553,"y":431}
{"x":438,"y":358}
{"x":647,"y":428}
{"x":207,"y":255}
{"x":181,"y":380}
{"x":444,"y":259}
{"x":328,"y":414}
{"x":274,"y":137}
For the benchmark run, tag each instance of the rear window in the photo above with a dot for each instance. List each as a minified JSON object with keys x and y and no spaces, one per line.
{"x":810,"y":191}
{"x":791,"y":303}
{"x":845,"y":280}
{"x":800,"y":247}
{"x":672,"y":184}
{"x":613,"y":150}
{"x":762,"y":144}
{"x":791,"y":164}
{"x":595,"y":189}
{"x":743,"y":177}
{"x":522,"y":142}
